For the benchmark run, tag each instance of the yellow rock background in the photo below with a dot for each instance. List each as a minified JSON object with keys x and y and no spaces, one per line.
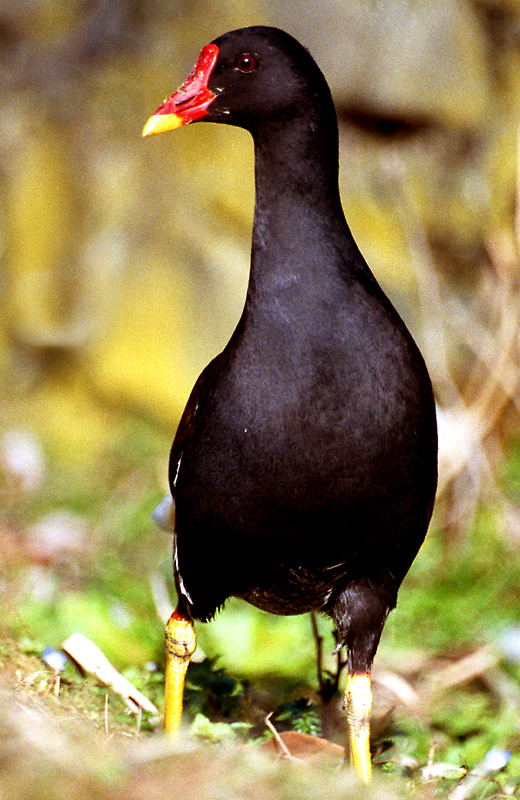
{"x":124,"y":262}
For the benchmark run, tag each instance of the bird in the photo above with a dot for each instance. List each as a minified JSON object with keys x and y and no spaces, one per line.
{"x":304,"y":468}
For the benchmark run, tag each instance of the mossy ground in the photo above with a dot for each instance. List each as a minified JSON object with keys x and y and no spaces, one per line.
{"x":460,"y":600}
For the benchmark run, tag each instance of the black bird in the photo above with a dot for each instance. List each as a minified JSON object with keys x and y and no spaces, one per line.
{"x":304,"y":467}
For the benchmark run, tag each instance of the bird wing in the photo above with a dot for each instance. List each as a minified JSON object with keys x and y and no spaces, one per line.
{"x":164,"y":514}
{"x":185,"y":427}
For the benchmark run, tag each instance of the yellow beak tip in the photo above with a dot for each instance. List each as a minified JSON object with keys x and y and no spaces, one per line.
{"x":160,"y":123}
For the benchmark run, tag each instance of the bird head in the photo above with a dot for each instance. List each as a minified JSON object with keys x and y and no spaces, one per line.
{"x":245,"y":77}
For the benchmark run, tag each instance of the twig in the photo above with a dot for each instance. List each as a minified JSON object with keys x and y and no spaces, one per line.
{"x":318,"y":639}
{"x":89,"y":656}
{"x":464,"y":670}
{"x":400,"y":688}
{"x":283,"y":747}
{"x":106,"y":713}
{"x":494,"y":761}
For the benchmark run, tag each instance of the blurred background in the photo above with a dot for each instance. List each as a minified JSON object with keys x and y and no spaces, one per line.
{"x":123,"y":269}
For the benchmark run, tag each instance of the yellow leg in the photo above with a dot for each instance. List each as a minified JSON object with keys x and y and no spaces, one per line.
{"x":180,"y":646}
{"x":357,"y":702}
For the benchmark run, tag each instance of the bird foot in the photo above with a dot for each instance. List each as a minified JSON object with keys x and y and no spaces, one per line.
{"x":180,"y":646}
{"x":357,"y":702}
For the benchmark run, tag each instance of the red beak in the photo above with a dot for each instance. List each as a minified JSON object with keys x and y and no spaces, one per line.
{"x":191,"y":101}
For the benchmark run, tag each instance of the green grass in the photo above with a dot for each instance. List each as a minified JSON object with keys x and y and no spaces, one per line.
{"x":453,"y":600}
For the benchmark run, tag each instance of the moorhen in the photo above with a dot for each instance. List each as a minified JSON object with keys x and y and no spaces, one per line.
{"x":304,"y":467}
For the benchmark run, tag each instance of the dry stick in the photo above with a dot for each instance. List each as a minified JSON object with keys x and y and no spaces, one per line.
{"x":85,"y":653}
{"x":318,"y":639}
{"x":507,"y":345}
{"x":400,"y":688}
{"x":106,"y":713}
{"x":503,"y":375}
{"x":431,"y":304}
{"x":503,"y":379}
{"x":504,"y":688}
{"x":54,"y":684}
{"x":473,"y":334}
{"x":516,"y":225}
{"x":432,"y":309}
{"x":484,"y":412}
{"x":341,"y":663}
{"x":495,"y":350}
{"x":462,"y":671}
{"x":283,"y":747}
{"x":494,"y":761}
{"x":436,"y":350}
{"x":327,"y":689}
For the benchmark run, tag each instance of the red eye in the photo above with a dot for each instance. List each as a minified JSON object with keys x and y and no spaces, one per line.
{"x":246,"y":63}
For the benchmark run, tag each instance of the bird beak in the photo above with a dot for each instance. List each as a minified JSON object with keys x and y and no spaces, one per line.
{"x":191,"y":101}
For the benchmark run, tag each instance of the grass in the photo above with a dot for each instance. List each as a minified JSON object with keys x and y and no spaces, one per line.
{"x":455,"y":599}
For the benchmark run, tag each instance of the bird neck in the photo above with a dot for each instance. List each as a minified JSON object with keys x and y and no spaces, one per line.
{"x":299,"y":229}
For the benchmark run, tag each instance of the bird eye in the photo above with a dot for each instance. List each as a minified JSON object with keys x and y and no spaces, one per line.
{"x":246,"y":63}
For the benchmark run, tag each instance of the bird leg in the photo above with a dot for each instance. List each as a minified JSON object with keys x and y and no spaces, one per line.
{"x":180,"y":646}
{"x":357,"y":702}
